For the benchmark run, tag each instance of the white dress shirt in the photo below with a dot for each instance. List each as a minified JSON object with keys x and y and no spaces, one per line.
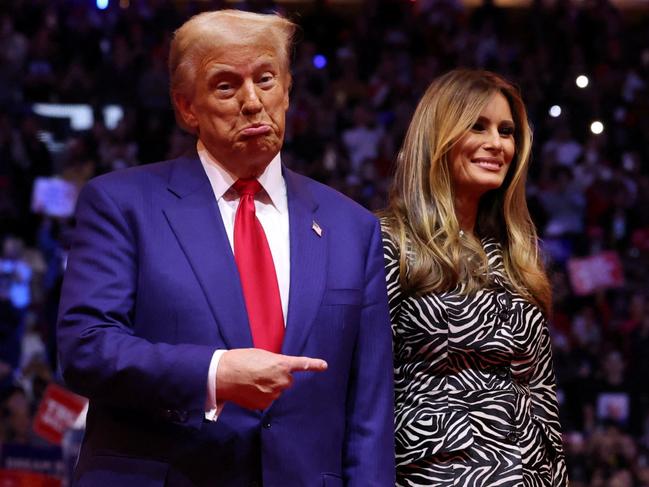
{"x":271,"y":208}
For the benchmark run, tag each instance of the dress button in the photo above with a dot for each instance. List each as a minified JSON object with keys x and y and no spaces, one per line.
{"x":505,"y":300}
{"x":502,"y":372}
{"x":512,"y":436}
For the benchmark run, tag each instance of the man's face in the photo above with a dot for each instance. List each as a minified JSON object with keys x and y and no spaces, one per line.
{"x":239,"y":106}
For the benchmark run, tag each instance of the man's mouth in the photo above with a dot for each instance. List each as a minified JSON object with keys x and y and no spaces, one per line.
{"x":256,"y":129}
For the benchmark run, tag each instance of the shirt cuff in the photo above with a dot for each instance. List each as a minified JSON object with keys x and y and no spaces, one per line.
{"x":212,"y":407}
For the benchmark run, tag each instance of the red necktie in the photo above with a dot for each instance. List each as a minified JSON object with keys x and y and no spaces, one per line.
{"x":257,"y":271}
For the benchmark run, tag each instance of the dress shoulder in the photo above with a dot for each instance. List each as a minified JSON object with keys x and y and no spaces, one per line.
{"x":391,"y":254}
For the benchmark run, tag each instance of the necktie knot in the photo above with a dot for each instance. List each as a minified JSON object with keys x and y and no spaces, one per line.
{"x":247,"y":187}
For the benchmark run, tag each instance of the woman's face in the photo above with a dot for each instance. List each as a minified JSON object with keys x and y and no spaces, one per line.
{"x":480,"y":160}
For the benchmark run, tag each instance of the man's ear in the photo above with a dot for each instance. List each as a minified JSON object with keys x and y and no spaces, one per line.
{"x":185,"y":110}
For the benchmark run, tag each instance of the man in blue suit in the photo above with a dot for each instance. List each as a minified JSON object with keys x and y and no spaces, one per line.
{"x":228,"y":336}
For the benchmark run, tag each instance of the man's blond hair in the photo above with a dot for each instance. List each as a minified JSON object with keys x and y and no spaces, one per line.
{"x":203,"y":33}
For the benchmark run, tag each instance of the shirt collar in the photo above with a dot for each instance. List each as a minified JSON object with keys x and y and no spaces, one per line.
{"x":221,"y":179}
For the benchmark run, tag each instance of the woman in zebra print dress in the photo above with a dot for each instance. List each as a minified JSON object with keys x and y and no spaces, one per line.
{"x":474,"y":384}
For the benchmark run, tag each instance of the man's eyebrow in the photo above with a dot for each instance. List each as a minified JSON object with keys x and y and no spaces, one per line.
{"x":219,"y":69}
{"x":265,"y":65}
{"x":216,"y":69}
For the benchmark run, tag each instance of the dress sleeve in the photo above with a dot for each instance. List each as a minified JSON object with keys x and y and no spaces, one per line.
{"x":545,"y":408}
{"x":391,"y":255}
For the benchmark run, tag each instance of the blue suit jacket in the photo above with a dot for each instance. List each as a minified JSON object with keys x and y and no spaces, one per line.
{"x":152,"y":289}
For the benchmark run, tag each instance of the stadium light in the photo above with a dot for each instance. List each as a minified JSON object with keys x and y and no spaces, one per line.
{"x":597,"y":127}
{"x":319,"y":61}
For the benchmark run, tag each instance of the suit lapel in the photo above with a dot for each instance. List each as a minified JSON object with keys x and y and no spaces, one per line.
{"x":308,"y":264}
{"x":197,"y":224}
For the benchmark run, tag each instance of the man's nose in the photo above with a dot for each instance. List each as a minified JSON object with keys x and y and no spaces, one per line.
{"x":251,"y":102}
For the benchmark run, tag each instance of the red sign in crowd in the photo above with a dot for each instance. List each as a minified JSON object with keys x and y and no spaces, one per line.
{"x":57,"y":412}
{"x":596,"y":272}
{"x":30,"y":466}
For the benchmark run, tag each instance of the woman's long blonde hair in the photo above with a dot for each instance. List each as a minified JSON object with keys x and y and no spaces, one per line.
{"x":421,"y":217}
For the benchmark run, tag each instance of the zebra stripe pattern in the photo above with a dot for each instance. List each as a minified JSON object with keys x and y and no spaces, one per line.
{"x":475,"y":399}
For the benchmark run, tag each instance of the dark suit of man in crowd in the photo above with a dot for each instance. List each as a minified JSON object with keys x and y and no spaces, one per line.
{"x":227,"y":317}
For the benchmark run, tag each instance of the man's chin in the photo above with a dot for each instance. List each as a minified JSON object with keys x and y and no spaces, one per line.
{"x":254,"y":157}
{"x":258,"y":147}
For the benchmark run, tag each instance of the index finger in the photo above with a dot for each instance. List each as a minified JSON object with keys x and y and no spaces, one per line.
{"x":305,"y":364}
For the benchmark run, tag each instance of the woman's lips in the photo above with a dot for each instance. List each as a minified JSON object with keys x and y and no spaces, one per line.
{"x":254,"y":130}
{"x":488,"y":164}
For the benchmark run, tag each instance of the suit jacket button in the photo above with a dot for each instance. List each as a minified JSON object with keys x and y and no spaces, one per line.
{"x":267,"y":425}
{"x":183,"y":416}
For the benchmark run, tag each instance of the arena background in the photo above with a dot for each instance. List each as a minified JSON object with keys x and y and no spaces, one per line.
{"x":84,"y":91}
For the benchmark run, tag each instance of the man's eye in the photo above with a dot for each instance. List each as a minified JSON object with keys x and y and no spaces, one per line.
{"x":223,"y":86}
{"x":266,"y":78}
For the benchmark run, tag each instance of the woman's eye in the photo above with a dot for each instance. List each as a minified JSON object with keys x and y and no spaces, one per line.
{"x":507,"y":131}
{"x":478,"y":127}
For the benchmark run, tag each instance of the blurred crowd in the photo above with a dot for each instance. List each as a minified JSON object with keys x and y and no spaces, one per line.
{"x":358,"y":72}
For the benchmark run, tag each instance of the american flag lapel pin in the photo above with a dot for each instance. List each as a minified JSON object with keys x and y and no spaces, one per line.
{"x":316,"y":228}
